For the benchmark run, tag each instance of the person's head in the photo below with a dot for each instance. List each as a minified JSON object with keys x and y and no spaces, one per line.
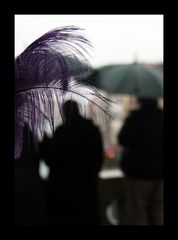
{"x":147,"y":102}
{"x":70,"y":109}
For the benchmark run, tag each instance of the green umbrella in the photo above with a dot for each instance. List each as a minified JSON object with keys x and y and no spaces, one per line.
{"x":134,"y":79}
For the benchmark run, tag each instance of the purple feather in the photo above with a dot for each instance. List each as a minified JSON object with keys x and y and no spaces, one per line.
{"x":44,"y":74}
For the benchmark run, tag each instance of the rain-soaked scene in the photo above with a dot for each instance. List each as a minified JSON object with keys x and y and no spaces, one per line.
{"x":88,"y":120}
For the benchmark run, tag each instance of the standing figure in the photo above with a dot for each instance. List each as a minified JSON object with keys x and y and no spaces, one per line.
{"x":74,"y":156}
{"x":142,"y":162}
{"x":29,"y":188}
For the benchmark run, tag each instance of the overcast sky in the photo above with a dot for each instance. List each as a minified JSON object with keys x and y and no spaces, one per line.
{"x":115,"y":38}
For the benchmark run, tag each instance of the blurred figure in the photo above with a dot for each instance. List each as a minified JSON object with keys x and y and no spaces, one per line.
{"x":142,"y":162}
{"x":74,"y":156}
{"x":29,"y":187}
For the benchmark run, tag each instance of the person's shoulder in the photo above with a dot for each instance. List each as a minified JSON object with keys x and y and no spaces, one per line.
{"x":134,"y":113}
{"x":59,"y":129}
{"x":134,"y":116}
{"x":85,"y":120}
{"x":90,"y":124}
{"x":95,"y":128}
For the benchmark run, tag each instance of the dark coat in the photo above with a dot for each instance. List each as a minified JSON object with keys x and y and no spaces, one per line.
{"x":74,"y":156}
{"x":142,"y":138}
{"x":29,"y":188}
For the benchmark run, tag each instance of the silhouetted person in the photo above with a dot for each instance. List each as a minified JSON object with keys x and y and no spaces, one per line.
{"x":29,"y":187}
{"x":142,"y":162}
{"x":74,"y":156}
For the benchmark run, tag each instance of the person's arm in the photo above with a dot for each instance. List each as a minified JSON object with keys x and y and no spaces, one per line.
{"x":46,"y":149}
{"x":127,"y":133}
{"x":123,"y":134}
{"x":99,"y":151}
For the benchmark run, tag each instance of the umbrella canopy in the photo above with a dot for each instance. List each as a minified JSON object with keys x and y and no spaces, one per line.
{"x":134,"y":79}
